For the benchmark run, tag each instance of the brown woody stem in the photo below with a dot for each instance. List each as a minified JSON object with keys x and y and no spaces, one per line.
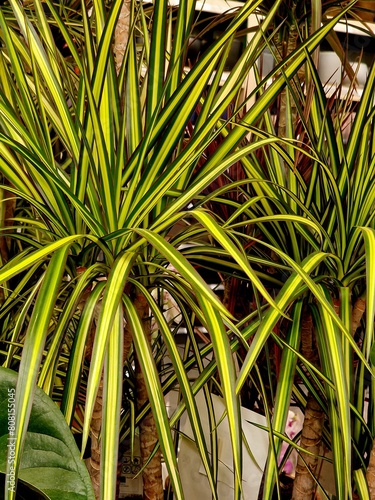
{"x":152,"y":474}
{"x":311,"y":437}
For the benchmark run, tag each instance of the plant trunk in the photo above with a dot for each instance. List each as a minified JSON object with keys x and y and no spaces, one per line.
{"x":96,"y":424}
{"x":122,"y":34}
{"x":97,"y":416}
{"x":96,"y":420}
{"x":357,"y":313}
{"x":7,"y":208}
{"x":311,"y":437}
{"x":119,"y":47}
{"x":152,"y":474}
{"x":283,"y":50}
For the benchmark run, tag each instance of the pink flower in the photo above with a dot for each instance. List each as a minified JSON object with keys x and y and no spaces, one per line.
{"x":292,"y":428}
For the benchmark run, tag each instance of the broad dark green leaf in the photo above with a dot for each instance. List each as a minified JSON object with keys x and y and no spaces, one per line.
{"x":50,"y":461}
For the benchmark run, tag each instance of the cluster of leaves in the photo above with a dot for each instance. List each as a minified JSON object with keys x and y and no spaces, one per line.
{"x":119,"y":197}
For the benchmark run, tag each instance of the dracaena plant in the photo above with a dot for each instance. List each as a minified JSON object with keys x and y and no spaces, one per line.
{"x":105,"y":180}
{"x":313,"y":201}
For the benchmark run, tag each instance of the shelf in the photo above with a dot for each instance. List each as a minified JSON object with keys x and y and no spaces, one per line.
{"x":354,"y":27}
{"x":214,"y":6}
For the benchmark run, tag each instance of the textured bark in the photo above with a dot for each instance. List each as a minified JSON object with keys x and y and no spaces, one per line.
{"x":308,"y":348}
{"x":7,"y":208}
{"x":227,"y":298}
{"x":96,"y":424}
{"x":311,"y":437}
{"x":152,"y":474}
{"x":96,"y":420}
{"x":119,"y":47}
{"x":357,"y":313}
{"x":284,"y":49}
{"x":122,"y":34}
{"x":97,"y":416}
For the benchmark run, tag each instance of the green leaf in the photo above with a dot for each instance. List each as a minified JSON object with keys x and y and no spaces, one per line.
{"x":111,"y":300}
{"x":185,"y":386}
{"x":183,"y":266}
{"x":12,"y":268}
{"x":369,"y":237}
{"x":50,"y":461}
{"x":284,"y":391}
{"x":372,"y":354}
{"x":332,"y":359}
{"x":223,"y":239}
{"x":155,"y":394}
{"x":361,"y":484}
{"x":225,"y":363}
{"x":33,"y":350}
{"x":112,"y":395}
{"x":76,"y":358}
